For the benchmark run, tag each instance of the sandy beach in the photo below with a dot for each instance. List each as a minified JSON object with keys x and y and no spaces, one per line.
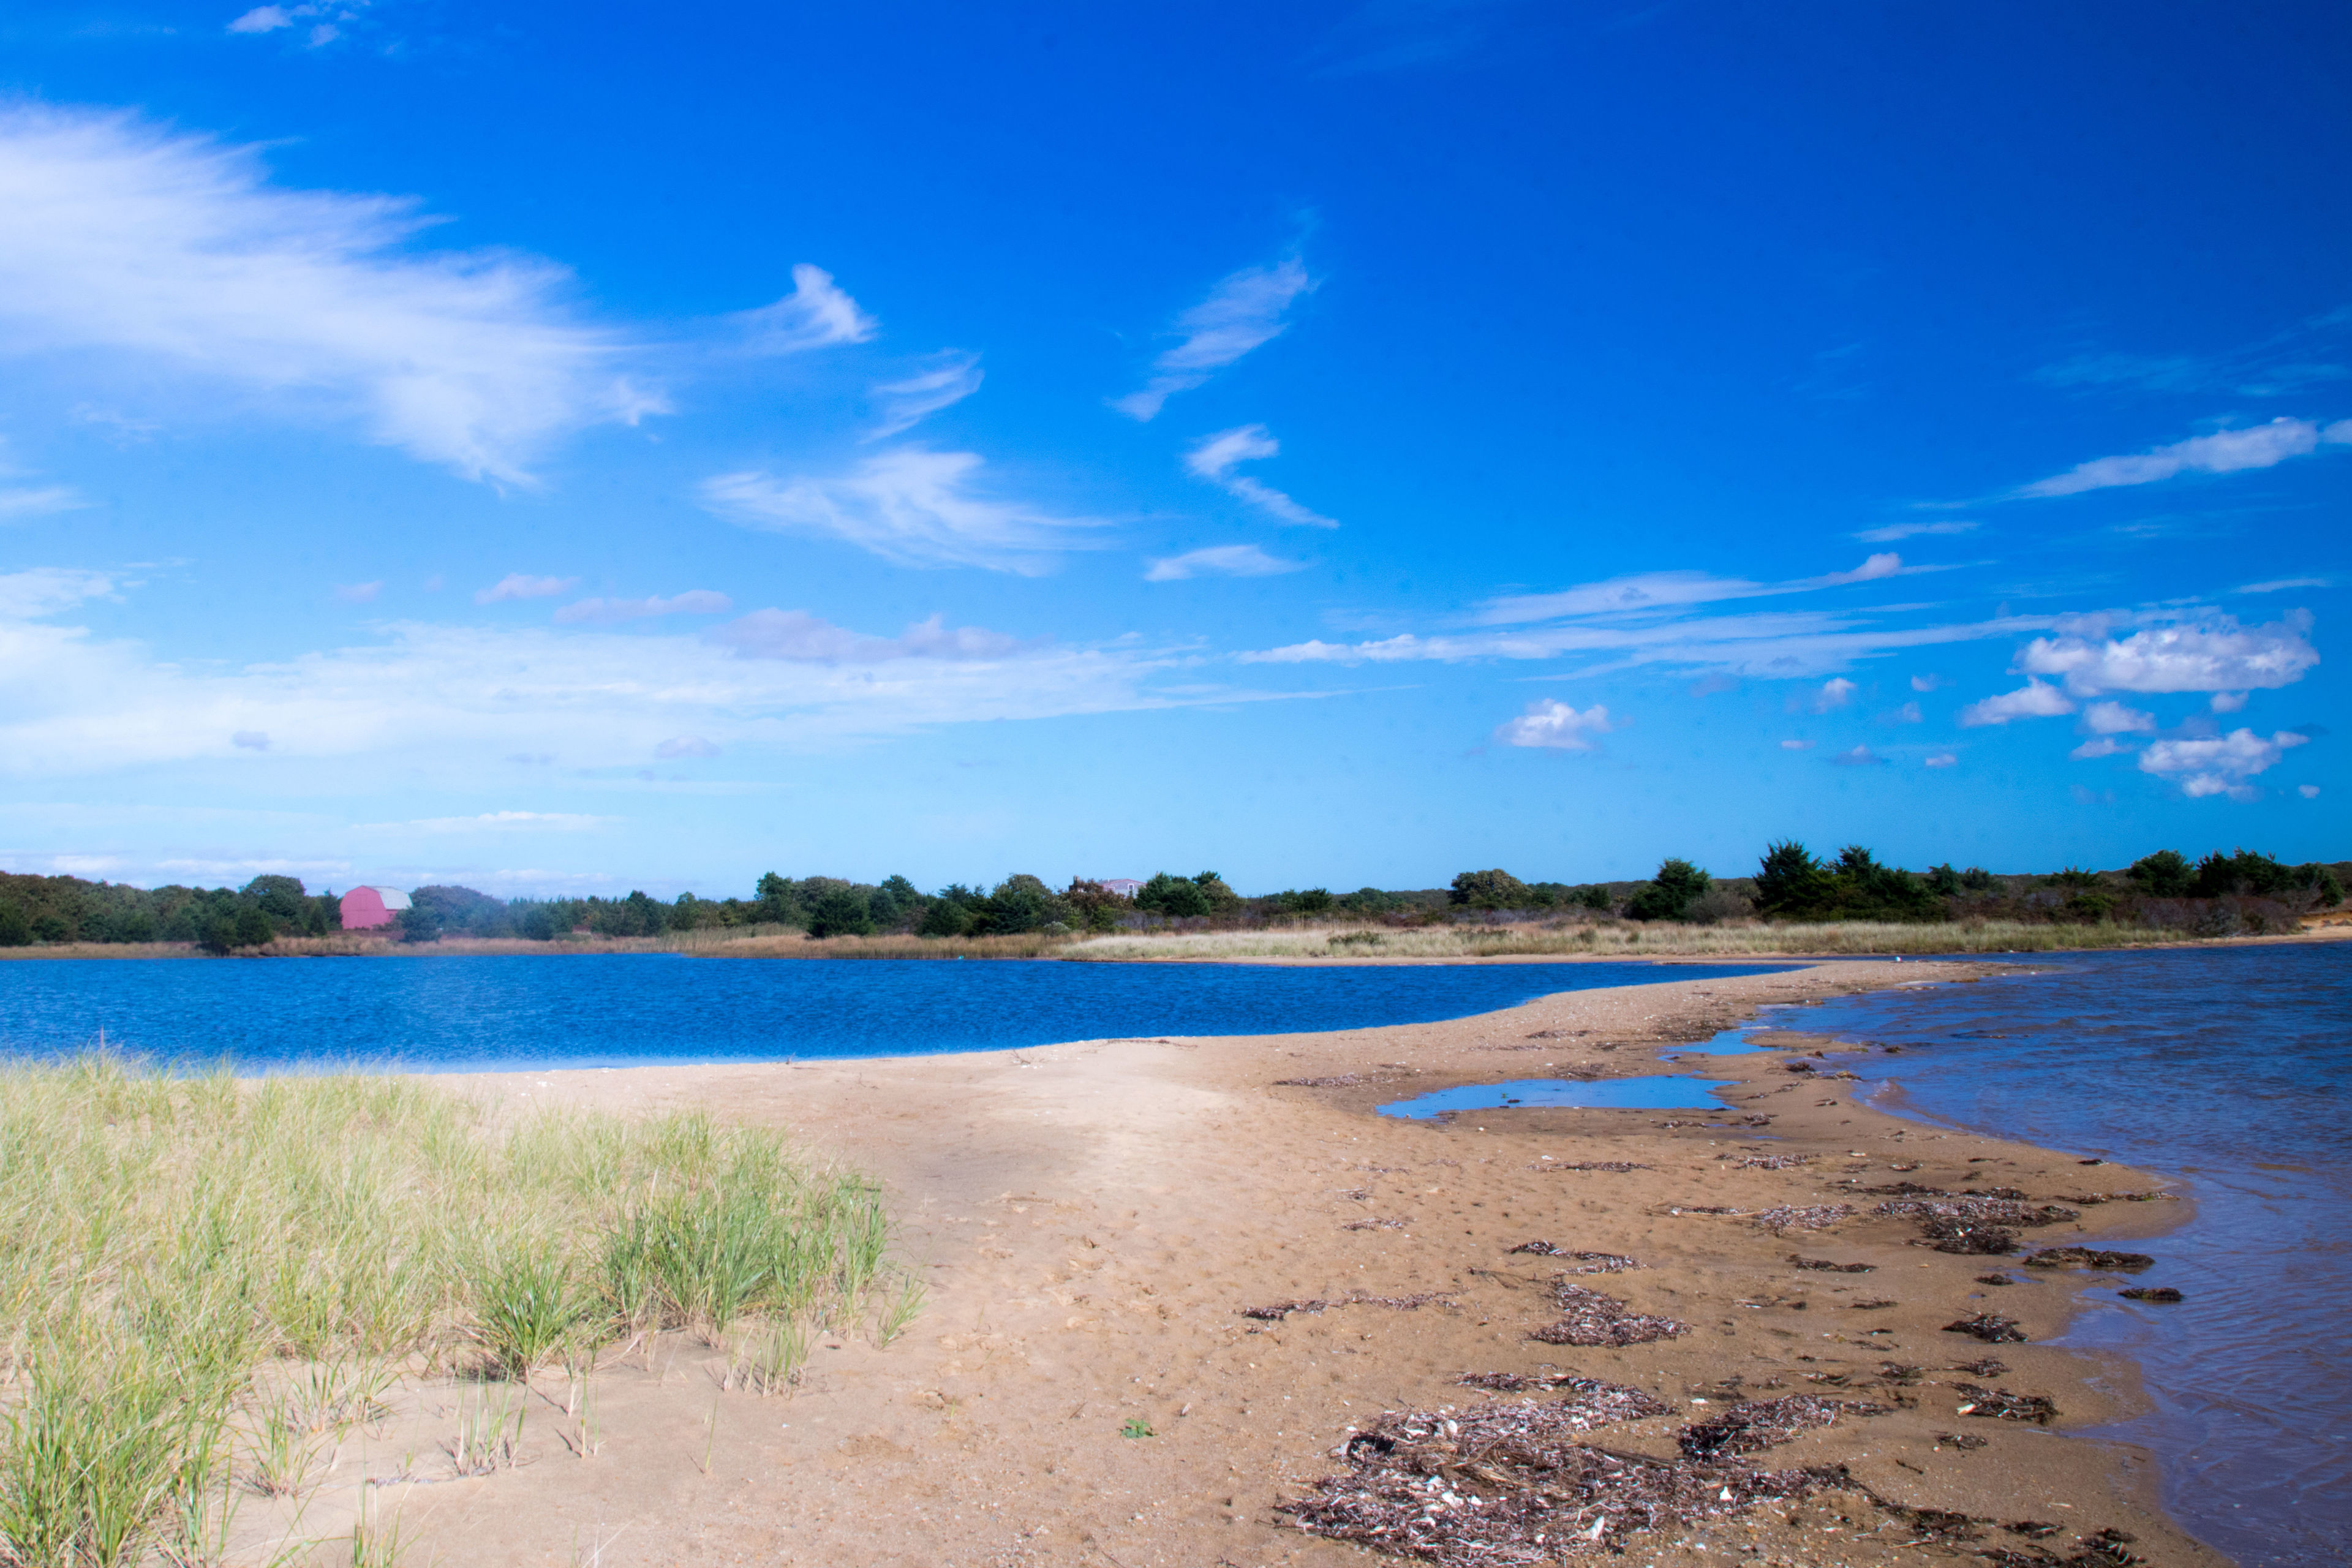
{"x":1095,"y":1218}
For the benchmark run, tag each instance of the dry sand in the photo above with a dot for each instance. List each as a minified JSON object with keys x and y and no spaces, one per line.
{"x":1093,"y":1217}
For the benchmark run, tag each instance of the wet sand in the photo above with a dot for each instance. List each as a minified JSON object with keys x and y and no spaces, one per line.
{"x":1093,"y":1218}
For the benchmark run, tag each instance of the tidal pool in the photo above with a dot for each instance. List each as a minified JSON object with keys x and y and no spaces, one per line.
{"x":1661,"y":1092}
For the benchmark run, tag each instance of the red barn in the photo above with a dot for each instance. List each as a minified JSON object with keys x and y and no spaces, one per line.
{"x":367,"y":908}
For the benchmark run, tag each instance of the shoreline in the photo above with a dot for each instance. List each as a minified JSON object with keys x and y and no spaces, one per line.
{"x":1054,"y":949}
{"x":1096,"y":1216}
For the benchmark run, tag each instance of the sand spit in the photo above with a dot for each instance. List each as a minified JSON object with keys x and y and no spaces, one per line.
{"x":1088,"y":1386}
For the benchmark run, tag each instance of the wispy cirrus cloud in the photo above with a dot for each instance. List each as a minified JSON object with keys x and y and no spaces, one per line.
{"x":817,"y":314}
{"x":912,"y":506}
{"x":2222,"y":452}
{"x":27,"y":501}
{"x":1244,"y":311}
{"x":797,"y":635}
{"x":954,"y":376}
{"x":1220,"y":560}
{"x":131,"y":244}
{"x":496,"y":822}
{"x":611,"y":612}
{"x":1217,"y":457}
{"x":448,"y":704}
{"x":523,"y":585}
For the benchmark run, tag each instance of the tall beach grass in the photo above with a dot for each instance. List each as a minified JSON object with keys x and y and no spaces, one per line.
{"x":198,"y":1274}
{"x":1612,"y":940}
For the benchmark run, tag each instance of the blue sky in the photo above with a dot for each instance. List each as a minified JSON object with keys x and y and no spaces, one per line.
{"x":544,"y":449}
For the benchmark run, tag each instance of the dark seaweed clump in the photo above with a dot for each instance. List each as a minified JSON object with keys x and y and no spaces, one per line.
{"x":1591,"y":1317}
{"x":1826,"y":1266}
{"x":2090,"y":1257}
{"x":1764,"y":1424}
{"x":1989,"y":1327}
{"x":2000,"y":1403}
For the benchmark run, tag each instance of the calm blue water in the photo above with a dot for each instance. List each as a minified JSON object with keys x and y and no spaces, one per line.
{"x":1657,"y":1093}
{"x":2226,"y":1068}
{"x":447,"y":1015}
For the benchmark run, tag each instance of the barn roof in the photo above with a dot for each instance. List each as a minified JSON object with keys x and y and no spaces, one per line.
{"x":393,"y":898}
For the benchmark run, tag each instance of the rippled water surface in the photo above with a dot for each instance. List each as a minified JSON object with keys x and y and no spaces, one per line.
{"x":2226,"y":1067}
{"x":624,"y":1010}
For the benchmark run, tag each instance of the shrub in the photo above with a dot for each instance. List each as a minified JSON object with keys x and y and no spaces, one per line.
{"x":1495,"y":890}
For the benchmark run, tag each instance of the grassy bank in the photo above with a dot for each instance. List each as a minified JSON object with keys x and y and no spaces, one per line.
{"x":1615,"y":940}
{"x":199,"y":1277}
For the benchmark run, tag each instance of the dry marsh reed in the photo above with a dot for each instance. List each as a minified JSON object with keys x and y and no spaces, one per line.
{"x":204,"y":1283}
{"x":1610,"y":940}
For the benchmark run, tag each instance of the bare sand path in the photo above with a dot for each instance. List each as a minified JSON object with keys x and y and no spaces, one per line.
{"x":1093,"y":1217}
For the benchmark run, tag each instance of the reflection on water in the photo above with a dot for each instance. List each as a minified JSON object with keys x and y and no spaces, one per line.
{"x":1607,"y":1094}
{"x":2227,"y":1069}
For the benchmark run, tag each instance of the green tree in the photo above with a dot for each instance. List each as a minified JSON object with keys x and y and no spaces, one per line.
{"x":1495,"y":890}
{"x":1790,"y":881}
{"x":1943,"y":881}
{"x":281,"y":899}
{"x":1667,"y":895}
{"x":2220,"y":875}
{"x":945,"y":918}
{"x":422,"y":922}
{"x":842,"y":911}
{"x":2163,"y":875}
{"x":1176,"y":898}
{"x":15,"y":931}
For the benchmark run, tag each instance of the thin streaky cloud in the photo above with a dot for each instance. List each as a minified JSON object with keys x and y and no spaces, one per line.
{"x":40,"y":501}
{"x":912,"y":506}
{"x":2281,"y":584}
{"x":1899,"y":531}
{"x":1216,"y":456}
{"x":2222,"y":452}
{"x":1661,"y":591}
{"x":1244,"y":312}
{"x":1220,"y":560}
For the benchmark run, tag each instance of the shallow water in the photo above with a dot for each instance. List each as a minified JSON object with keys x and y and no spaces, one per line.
{"x":2226,"y":1068}
{"x":437,"y":1013}
{"x":1654,"y":1093}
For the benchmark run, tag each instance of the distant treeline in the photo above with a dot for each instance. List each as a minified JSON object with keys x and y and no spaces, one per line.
{"x":2218,"y":895}
{"x":68,"y":909}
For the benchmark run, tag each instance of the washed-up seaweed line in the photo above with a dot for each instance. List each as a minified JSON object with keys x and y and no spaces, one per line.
{"x":1275,"y":1311}
{"x":1787,"y":1217}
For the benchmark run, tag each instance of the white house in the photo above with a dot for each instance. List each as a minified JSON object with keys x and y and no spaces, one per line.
{"x":1125,"y":887}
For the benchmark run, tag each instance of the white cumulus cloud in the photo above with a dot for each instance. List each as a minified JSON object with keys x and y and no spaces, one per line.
{"x":155,"y":255}
{"x":1216,"y":458}
{"x":2222,"y":452}
{"x":912,"y":506}
{"x":2034,"y":699}
{"x":1220,"y":560}
{"x":1242,"y":312}
{"x":2215,"y":655}
{"x":1556,"y":726}
{"x":2114,"y":718}
{"x":678,"y":746}
{"x":2220,"y":764}
{"x":1943,"y":760}
{"x":1835,"y":692}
